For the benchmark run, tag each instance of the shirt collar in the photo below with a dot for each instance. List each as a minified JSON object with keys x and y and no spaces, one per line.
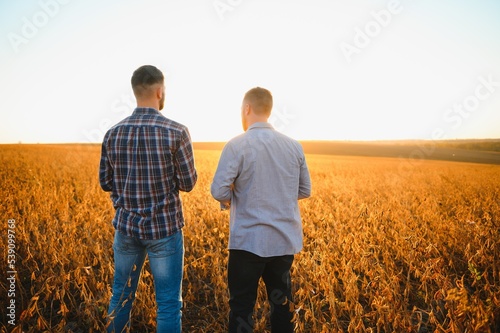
{"x":260,"y":125}
{"x":146,"y":111}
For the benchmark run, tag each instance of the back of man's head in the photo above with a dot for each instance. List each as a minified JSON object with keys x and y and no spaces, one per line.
{"x":144,"y":79}
{"x":260,"y":99}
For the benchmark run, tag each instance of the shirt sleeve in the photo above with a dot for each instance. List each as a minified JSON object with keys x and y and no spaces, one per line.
{"x":304,"y":180}
{"x":105,"y":169}
{"x":225,"y":175}
{"x":184,"y":164}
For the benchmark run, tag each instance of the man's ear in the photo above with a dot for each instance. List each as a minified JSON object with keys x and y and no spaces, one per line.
{"x":159,"y":92}
{"x":247,"y":109}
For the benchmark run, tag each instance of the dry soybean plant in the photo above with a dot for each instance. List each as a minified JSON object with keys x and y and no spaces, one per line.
{"x":386,"y":249}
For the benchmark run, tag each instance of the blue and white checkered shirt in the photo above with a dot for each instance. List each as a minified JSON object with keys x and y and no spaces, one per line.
{"x":263,"y":173}
{"x":146,"y":159}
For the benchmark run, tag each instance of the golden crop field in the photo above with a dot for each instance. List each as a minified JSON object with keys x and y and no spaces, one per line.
{"x":386,"y":249}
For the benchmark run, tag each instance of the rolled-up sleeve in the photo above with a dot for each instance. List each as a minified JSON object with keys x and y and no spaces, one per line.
{"x":224,"y":177}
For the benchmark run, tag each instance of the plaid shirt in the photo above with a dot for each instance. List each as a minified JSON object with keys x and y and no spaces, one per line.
{"x":146,"y":159}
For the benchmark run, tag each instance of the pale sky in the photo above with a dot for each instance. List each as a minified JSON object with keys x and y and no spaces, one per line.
{"x":338,"y":69}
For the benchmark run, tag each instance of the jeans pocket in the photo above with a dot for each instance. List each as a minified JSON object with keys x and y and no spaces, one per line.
{"x":166,"y":246}
{"x":124,"y":244}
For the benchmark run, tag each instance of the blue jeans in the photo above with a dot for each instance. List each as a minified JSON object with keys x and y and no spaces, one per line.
{"x":166,"y":259}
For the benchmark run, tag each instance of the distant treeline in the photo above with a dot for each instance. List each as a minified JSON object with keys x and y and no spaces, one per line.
{"x":482,"y":145}
{"x":471,"y":144}
{"x":475,"y":151}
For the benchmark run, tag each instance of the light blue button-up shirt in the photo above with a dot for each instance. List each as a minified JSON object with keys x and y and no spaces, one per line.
{"x":264,"y":174}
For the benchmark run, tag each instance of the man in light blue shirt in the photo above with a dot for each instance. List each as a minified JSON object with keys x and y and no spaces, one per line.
{"x":261,"y":176}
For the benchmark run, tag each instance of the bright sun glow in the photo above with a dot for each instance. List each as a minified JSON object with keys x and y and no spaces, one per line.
{"x":338,"y":70}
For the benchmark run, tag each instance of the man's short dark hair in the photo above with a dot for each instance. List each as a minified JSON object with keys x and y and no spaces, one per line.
{"x":261,"y":100}
{"x":144,"y":78}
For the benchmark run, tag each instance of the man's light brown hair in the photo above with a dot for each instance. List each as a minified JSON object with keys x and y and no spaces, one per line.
{"x":260,"y":99}
{"x":144,"y":78}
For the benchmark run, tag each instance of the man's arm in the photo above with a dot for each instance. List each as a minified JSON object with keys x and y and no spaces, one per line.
{"x":105,"y":169}
{"x":184,"y":164}
{"x":304,"y":180}
{"x":225,"y":175}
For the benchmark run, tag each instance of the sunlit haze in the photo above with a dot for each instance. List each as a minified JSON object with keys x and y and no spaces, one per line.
{"x":338,"y":70}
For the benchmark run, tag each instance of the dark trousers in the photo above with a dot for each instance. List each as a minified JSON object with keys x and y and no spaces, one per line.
{"x":244,"y":271}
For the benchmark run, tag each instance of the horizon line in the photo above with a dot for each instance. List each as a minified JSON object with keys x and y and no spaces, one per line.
{"x":20,"y":142}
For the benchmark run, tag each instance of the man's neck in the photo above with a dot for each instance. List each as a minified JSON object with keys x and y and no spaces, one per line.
{"x":148,"y":104}
{"x":257,"y":120}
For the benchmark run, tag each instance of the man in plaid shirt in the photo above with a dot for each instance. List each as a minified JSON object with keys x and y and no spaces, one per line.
{"x":146,"y":159}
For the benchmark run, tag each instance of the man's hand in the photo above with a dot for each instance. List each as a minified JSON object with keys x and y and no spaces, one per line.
{"x":225,"y":205}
